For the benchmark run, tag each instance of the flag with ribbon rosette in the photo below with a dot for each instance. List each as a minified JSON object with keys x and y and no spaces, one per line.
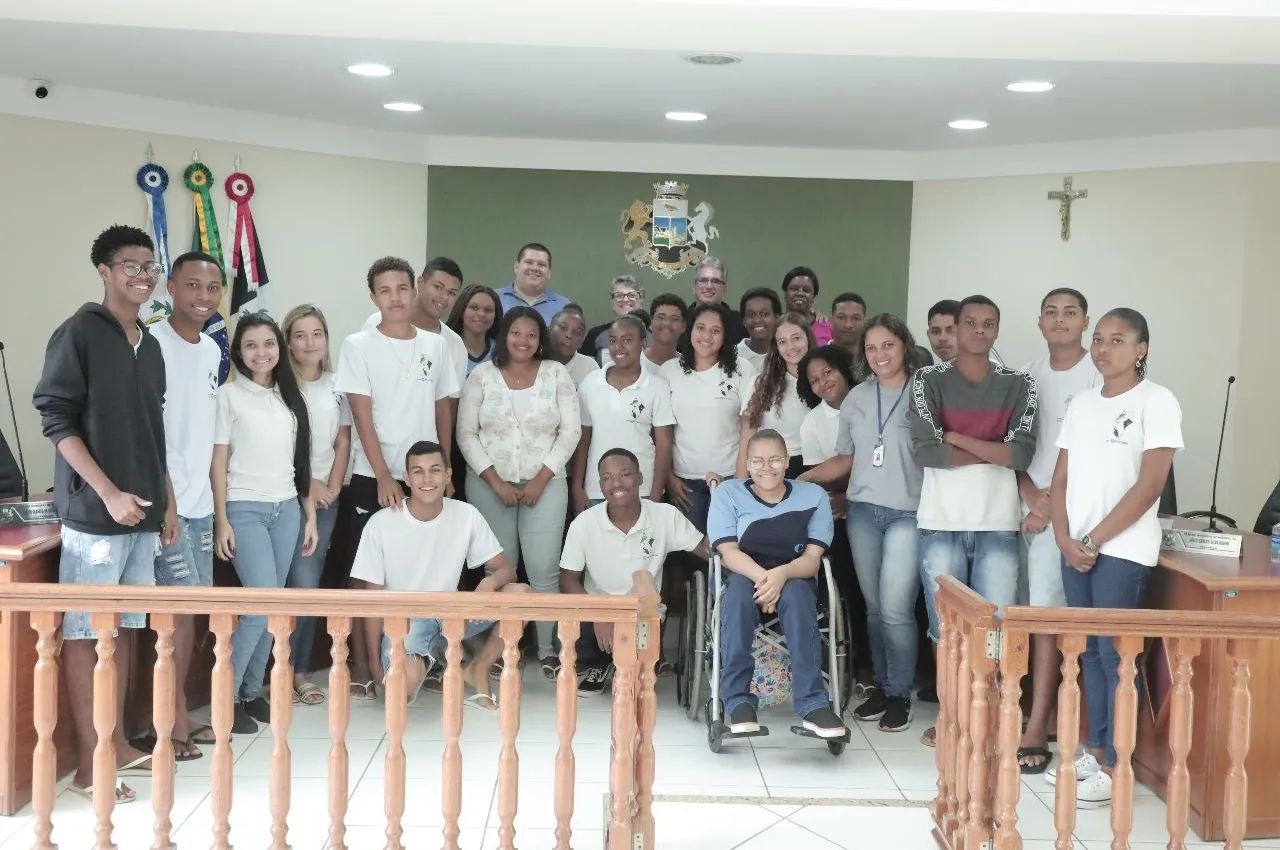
{"x":199,"y":179}
{"x":153,"y":180}
{"x":247,"y":269}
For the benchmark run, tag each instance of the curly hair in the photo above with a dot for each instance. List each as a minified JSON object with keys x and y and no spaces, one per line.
{"x":727,"y":358}
{"x":115,"y":237}
{"x":835,"y":356}
{"x":772,"y":384}
{"x":911,"y":357}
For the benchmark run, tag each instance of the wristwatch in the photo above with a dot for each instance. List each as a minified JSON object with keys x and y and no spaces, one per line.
{"x":1087,"y":542}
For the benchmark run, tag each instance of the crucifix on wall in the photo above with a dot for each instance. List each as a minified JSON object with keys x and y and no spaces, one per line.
{"x":1064,"y":199}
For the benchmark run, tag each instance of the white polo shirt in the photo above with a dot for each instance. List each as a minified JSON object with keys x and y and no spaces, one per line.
{"x":579,"y":366}
{"x":623,"y":419}
{"x":259,"y":431}
{"x":609,"y":556}
{"x":404,"y":378}
{"x":457,"y":349}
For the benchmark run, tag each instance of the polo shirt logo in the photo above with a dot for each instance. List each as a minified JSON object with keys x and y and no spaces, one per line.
{"x":647,"y":544}
{"x":727,"y":388}
{"x":425,"y":364}
{"x":637,"y":408}
{"x":1121,"y":425}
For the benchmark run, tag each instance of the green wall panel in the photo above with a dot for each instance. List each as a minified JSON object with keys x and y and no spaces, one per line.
{"x":854,"y":233}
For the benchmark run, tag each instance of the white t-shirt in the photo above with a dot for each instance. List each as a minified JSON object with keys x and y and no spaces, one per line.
{"x":579,"y":366}
{"x":787,"y":423}
{"x":818,"y":434}
{"x":403,"y":553}
{"x":706,"y":408}
{"x":745,"y":353}
{"x":458,"y":357}
{"x":259,"y":431}
{"x":1105,"y":439}
{"x":609,"y":556}
{"x":326,"y":412}
{"x":520,"y":401}
{"x":404,"y":378}
{"x":623,"y":419}
{"x":1054,"y":391}
{"x":646,"y":365}
{"x":190,"y":405}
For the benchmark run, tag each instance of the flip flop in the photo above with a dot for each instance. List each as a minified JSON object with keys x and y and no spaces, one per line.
{"x":198,"y":736}
{"x":308,"y":694}
{"x":1033,"y":769}
{"x":135,"y":768}
{"x":484,"y":702}
{"x":664,"y":668}
{"x":124,"y":794}
{"x":366,"y":690}
{"x":190,"y":756}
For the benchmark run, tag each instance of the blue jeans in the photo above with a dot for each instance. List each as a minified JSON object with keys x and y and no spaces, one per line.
{"x":986,"y":561}
{"x":266,"y":537}
{"x":798,"y":614}
{"x":426,"y":638}
{"x":305,"y":572}
{"x":105,"y":559}
{"x":884,"y":541}
{"x":1112,"y":583}
{"x":700,"y":497}
{"x":189,"y":561}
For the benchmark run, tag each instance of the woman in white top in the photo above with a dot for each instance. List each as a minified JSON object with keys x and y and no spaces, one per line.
{"x":709,"y":383}
{"x":1116,"y":449}
{"x":261,"y":472}
{"x":775,"y":402}
{"x":518,"y":425}
{"x":475,"y":318}
{"x":823,"y":380}
{"x":307,"y":334}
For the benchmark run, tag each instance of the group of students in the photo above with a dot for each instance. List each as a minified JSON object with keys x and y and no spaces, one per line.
{"x":493,"y":429}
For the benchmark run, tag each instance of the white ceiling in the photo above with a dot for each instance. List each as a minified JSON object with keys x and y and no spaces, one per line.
{"x":816,"y":74}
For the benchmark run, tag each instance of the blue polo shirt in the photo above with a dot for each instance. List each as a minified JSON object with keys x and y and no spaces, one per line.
{"x":771,"y":534}
{"x":548,"y":305}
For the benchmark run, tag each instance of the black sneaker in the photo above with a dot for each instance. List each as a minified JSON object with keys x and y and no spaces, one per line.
{"x":824,"y":723}
{"x":874,"y":706}
{"x":259,"y":709}
{"x":742,"y":720}
{"x":897,"y":715}
{"x":594,"y":682}
{"x":242,"y":723}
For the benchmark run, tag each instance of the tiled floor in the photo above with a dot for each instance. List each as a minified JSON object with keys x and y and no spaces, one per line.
{"x":776,"y":792}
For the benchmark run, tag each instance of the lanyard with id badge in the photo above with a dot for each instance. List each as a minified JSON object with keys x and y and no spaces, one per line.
{"x":877,"y":454}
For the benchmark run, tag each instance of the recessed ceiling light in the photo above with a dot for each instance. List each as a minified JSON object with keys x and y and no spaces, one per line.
{"x":713,"y":59}
{"x":370,"y":69}
{"x":1030,"y":86}
{"x":686,"y":116}
{"x":967,"y":124}
{"x":401,"y":106}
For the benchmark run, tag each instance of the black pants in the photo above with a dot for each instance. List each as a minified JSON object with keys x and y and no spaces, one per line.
{"x":358,"y":503}
{"x":589,"y":652}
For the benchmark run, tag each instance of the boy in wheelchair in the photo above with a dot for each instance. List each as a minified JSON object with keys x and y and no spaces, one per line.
{"x":771,"y":534}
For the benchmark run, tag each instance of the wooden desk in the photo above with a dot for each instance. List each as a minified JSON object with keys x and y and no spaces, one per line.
{"x":1215,"y":583}
{"x":27,"y":554}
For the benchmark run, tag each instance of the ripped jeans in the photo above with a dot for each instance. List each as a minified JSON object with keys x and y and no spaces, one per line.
{"x":189,"y":561}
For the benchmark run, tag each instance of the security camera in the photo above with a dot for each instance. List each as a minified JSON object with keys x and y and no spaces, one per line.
{"x":40,"y":88}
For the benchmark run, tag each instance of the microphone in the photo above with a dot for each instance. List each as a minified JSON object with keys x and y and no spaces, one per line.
{"x":13,"y":414}
{"x":1212,"y":513}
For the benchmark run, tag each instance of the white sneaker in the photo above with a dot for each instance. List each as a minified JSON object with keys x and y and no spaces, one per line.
{"x":1086,"y":768}
{"x":1094,"y":792}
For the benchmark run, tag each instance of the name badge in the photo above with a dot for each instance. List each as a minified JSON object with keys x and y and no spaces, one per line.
{"x":877,"y":455}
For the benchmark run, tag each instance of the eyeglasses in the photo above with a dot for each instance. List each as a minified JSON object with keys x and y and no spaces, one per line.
{"x":133,"y":268}
{"x":774,"y":462}
{"x":709,"y":281}
{"x":626,"y":296}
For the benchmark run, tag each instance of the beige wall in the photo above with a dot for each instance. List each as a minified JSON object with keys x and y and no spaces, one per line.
{"x":1194,"y":249}
{"x":322,"y":220}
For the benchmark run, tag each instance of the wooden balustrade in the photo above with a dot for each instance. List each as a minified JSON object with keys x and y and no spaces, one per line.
{"x":631,"y":768}
{"x":970,"y":810}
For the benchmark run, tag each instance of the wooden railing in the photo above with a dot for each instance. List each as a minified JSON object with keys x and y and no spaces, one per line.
{"x":981,"y":662}
{"x":629,"y":822}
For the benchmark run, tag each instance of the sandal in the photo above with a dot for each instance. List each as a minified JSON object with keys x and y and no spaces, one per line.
{"x":202,"y":735}
{"x":308,"y":693}
{"x":550,"y":667}
{"x":664,"y":668}
{"x":1034,"y":752}
{"x":135,"y":767}
{"x":124,"y":794}
{"x":363,"y":690}
{"x":185,"y":750}
{"x":484,"y":702}
{"x":930,"y":737}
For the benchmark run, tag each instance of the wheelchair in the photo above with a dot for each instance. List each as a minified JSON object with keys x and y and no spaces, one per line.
{"x":698,"y":653}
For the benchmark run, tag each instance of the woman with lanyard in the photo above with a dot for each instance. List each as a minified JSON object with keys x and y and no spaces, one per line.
{"x":774,"y":402}
{"x":1116,"y":449}
{"x":874,"y":450}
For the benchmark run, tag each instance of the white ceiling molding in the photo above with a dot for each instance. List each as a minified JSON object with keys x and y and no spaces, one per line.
{"x":122,"y":111}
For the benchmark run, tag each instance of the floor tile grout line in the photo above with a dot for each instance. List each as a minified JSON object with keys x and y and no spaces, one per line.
{"x":756,"y":835}
{"x":807,"y":829}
